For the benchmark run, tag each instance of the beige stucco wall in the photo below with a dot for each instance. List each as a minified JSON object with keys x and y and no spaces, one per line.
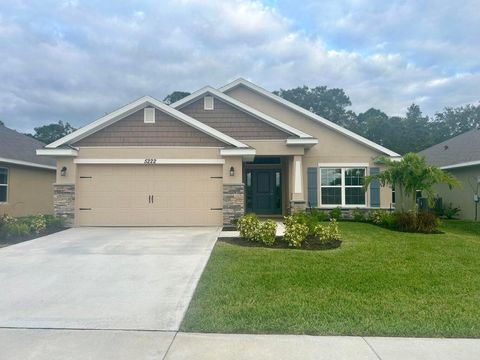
{"x":122,"y":152}
{"x":70,"y":174}
{"x":236,"y":162}
{"x":170,"y":152}
{"x":274,"y":148}
{"x":30,"y":191}
{"x":462,"y":197}
{"x":148,"y":152}
{"x":332,"y":147}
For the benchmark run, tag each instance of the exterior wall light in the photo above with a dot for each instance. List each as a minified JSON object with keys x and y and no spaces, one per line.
{"x":232,"y":171}
{"x":63,"y":172}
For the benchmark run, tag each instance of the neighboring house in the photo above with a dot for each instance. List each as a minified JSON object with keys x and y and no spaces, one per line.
{"x":209,"y":158}
{"x":461,"y":157}
{"x":26,"y":180}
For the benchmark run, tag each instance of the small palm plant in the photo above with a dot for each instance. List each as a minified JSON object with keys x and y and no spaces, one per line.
{"x":410,"y":174}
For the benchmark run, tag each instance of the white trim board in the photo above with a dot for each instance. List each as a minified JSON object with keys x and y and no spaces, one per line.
{"x":302,"y":141}
{"x":460,"y":165}
{"x":138,"y":105}
{"x":57,"y":152}
{"x":151,"y":162}
{"x":239,"y":105}
{"x":343,"y":165}
{"x":26,"y":163}
{"x":307,"y":113}
{"x":237,"y":152}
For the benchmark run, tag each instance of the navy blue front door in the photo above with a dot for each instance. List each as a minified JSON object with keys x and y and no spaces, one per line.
{"x":264,"y":194}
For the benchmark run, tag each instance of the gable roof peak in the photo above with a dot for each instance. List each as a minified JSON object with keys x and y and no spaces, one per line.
{"x":258,"y":89}
{"x":241,"y":106}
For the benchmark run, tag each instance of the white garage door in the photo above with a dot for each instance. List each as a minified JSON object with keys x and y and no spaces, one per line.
{"x":152,"y":195}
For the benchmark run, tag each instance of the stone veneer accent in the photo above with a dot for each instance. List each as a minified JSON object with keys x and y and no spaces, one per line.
{"x":233,"y":203}
{"x":64,"y":202}
{"x":297,"y":206}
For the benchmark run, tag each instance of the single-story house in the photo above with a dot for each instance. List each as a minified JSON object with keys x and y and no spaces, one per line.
{"x":209,"y":158}
{"x":26,"y":180}
{"x":460,"y":156}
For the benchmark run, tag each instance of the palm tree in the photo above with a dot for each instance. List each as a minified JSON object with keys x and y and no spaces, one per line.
{"x":410,"y":174}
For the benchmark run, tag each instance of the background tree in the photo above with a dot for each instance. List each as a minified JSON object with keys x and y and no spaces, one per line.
{"x":1,"y":123}
{"x":410,"y":174}
{"x":455,"y":121}
{"x":373,"y":124}
{"x":329,"y":103}
{"x":52,"y":132}
{"x":175,"y":96}
{"x":416,"y":133}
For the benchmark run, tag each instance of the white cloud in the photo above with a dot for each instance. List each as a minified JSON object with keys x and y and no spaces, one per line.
{"x":74,"y":62}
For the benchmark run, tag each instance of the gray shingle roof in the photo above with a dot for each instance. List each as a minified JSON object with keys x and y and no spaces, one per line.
{"x":459,"y":149}
{"x":16,"y":146}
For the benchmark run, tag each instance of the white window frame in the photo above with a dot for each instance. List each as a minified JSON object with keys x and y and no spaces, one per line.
{"x":5,"y":185}
{"x":146,"y":115}
{"x":343,"y":168}
{"x":207,"y":105}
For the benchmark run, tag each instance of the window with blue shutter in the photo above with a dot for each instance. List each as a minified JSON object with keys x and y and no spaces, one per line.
{"x":312,"y":186}
{"x":374,"y":188}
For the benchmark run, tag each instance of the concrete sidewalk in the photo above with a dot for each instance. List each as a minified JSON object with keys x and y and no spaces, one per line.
{"x":43,"y":344}
{"x":266,"y":347}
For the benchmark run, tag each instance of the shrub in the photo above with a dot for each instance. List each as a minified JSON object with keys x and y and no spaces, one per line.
{"x":406,"y":221}
{"x":6,"y":223}
{"x":389,"y":220}
{"x":15,"y":229}
{"x":375,"y":217}
{"x":267,"y":232}
{"x":450,"y":212}
{"x":411,"y":221}
{"x":307,"y":219}
{"x":319,"y":215}
{"x":427,"y":222}
{"x":248,"y":226}
{"x":38,"y":224}
{"x":54,"y":222}
{"x":359,"y":215}
{"x":328,"y":233}
{"x":289,"y":220}
{"x":6,"y":219}
{"x":336,"y":213}
{"x":295,"y":232}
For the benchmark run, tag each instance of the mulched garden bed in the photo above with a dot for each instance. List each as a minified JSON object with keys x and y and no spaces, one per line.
{"x":309,"y":244}
{"x":19,"y":239}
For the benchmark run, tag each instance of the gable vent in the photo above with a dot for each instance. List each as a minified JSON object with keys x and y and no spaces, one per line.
{"x":208,"y":103}
{"x":149,"y":115}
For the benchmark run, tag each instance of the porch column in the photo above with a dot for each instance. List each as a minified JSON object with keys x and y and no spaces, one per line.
{"x":233,"y":190}
{"x":64,"y":190}
{"x":297,"y":202}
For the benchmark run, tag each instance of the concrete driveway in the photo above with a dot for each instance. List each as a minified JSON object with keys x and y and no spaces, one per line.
{"x":103,"y":278}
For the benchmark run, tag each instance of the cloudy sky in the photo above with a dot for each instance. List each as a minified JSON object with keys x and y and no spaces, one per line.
{"x":76,"y":60}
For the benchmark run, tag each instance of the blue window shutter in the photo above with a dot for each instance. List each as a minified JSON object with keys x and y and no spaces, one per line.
{"x":374,"y":188}
{"x":312,"y":186}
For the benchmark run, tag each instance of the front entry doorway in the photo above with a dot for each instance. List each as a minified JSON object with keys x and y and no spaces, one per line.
{"x":264,"y":189}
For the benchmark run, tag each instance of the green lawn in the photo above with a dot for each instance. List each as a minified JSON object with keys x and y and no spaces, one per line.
{"x":380,"y":282}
